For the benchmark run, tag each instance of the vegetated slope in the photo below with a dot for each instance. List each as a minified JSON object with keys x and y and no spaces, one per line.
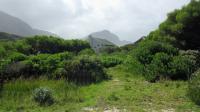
{"x":6,"y":36}
{"x":107,"y":35}
{"x":13,"y":25}
{"x":50,"y":57}
{"x":98,"y":45}
{"x":125,"y":92}
{"x":152,"y":76}
{"x":181,"y":27}
{"x":172,"y":51}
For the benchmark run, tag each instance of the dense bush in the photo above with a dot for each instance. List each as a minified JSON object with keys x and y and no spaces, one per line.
{"x":87,"y":52}
{"x":46,"y":44}
{"x":182,"y":67}
{"x":162,"y":60}
{"x":59,"y":73}
{"x":194,"y":54}
{"x":182,"y":27}
{"x":159,"y":51}
{"x":46,"y":64}
{"x":51,"y":57}
{"x":147,"y":49}
{"x":111,"y":61}
{"x":19,"y":65}
{"x":158,"y":68}
{"x":194,"y":88}
{"x":16,"y":56}
{"x":85,"y":69}
{"x":2,"y":52}
{"x":43,"y":96}
{"x":109,"y":50}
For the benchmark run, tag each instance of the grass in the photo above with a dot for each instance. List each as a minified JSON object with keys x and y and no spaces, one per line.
{"x":125,"y":91}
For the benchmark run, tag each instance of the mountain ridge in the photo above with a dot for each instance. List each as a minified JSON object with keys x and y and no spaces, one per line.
{"x":16,"y":26}
{"x":109,"y":36}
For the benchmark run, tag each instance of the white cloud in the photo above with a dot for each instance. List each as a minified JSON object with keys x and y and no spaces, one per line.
{"x":130,"y":19}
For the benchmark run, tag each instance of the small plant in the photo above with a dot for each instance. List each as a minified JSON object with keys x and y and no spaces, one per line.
{"x":127,"y":88}
{"x":43,"y":96}
{"x":113,"y":97}
{"x":194,"y":88}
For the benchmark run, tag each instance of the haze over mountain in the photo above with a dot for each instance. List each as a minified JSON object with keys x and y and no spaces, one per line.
{"x":129,"y":19}
{"x":109,"y":36}
{"x":13,"y":25}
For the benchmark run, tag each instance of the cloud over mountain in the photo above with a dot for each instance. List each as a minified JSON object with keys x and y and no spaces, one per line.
{"x":130,"y":19}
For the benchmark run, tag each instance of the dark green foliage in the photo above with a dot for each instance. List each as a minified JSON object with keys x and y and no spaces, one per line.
{"x":194,"y":88}
{"x":18,"y":65}
{"x":159,"y":52}
{"x":23,"y":47}
{"x":113,"y":97}
{"x":111,"y":61}
{"x":43,"y":96}
{"x":183,"y":25}
{"x":37,"y":56}
{"x":158,"y":68}
{"x":51,"y":57}
{"x":87,"y":52}
{"x":46,"y":64}
{"x":109,"y":50}
{"x":147,"y":49}
{"x":194,"y":54}
{"x":163,"y":61}
{"x":59,"y":73}
{"x":85,"y":69}
{"x":182,"y":67}
{"x":127,"y":48}
{"x":16,"y":57}
{"x":2,"y":52}
{"x":46,"y":44}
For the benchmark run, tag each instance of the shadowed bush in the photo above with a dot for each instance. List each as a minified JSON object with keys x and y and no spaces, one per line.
{"x":194,"y":88}
{"x":85,"y":69}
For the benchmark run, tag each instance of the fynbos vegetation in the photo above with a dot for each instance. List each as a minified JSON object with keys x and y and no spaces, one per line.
{"x":160,"y":72}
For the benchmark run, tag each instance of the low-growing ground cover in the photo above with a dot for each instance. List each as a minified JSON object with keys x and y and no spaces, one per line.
{"x":124,"y":92}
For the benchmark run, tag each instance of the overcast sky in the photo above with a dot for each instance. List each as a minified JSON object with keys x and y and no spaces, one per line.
{"x":129,"y":19}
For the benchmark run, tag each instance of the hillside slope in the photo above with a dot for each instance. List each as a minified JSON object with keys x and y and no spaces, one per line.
{"x":107,"y":35}
{"x":13,"y":25}
{"x":6,"y":36}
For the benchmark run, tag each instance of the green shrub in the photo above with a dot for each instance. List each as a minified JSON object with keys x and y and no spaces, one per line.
{"x":109,"y":50}
{"x":16,"y":56}
{"x":194,"y":54}
{"x":87,"y":52}
{"x":113,"y":97}
{"x":43,"y":96}
{"x":158,"y":68}
{"x":43,"y":64}
{"x":162,"y":60}
{"x":85,"y":69}
{"x":59,"y":73}
{"x":170,"y":67}
{"x":110,"y":61}
{"x":194,"y":88}
{"x":183,"y":66}
{"x":49,"y":44}
{"x":147,"y":49}
{"x":23,"y":47}
{"x":2,"y":52}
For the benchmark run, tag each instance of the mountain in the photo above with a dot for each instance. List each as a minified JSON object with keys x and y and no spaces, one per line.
{"x":98,"y":44}
{"x":13,"y":25}
{"x":107,"y":35}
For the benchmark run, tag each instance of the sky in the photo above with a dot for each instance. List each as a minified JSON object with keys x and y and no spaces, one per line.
{"x":129,"y":19}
